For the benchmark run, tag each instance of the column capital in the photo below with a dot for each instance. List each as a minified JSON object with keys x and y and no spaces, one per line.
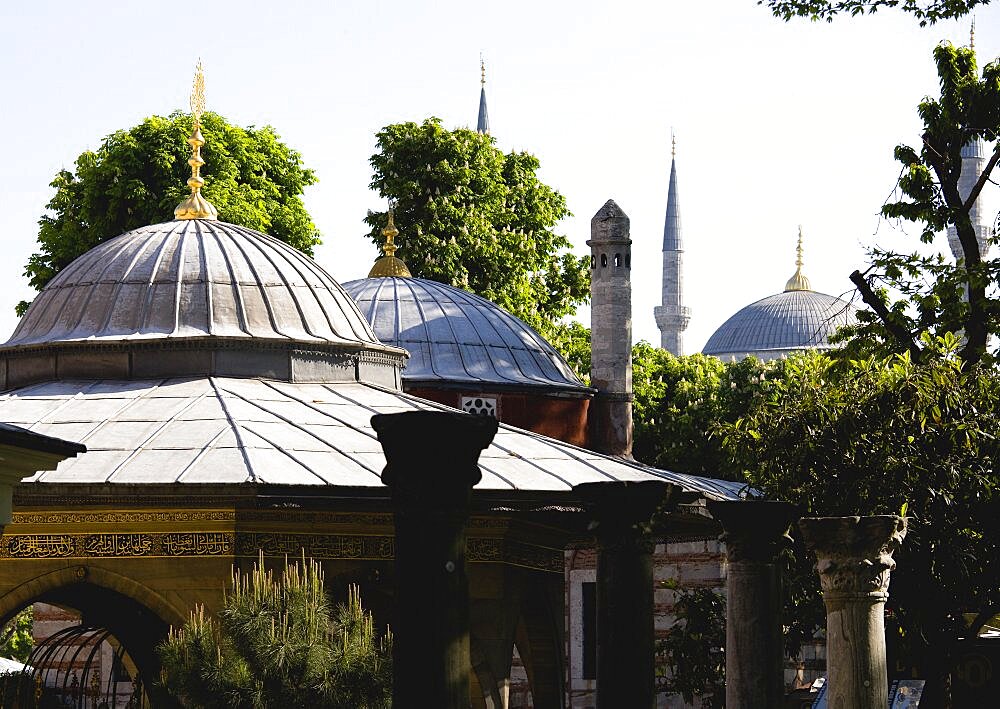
{"x":625,"y":508}
{"x":430,"y":452}
{"x":753,"y":530}
{"x":854,"y":554}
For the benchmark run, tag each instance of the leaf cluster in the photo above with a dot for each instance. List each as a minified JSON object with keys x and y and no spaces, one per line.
{"x":870,"y":436}
{"x":928,"y":12}
{"x":681,"y":403}
{"x":693,"y":649}
{"x":280,"y":642}
{"x":477,"y":218}
{"x":16,"y":639}
{"x":138,"y":176}
{"x":932,"y":294}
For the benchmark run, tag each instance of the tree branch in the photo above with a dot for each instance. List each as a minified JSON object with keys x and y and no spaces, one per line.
{"x":900,"y":333}
{"x":981,"y":182}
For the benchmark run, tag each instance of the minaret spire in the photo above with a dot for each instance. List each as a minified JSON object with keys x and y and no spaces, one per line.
{"x":672,"y":317}
{"x":483,"y":125}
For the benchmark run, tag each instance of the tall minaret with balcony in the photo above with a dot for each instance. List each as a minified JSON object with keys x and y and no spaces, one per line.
{"x":672,"y":317}
{"x":974,"y":156}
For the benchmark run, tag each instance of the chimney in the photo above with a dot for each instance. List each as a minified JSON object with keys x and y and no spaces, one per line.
{"x":611,"y":331}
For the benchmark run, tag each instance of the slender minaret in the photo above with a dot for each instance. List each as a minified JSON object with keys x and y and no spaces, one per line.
{"x":974,"y":156}
{"x":672,"y":317}
{"x":610,"y":415}
{"x":483,"y":125}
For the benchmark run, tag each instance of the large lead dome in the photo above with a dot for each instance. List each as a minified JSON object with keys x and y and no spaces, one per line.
{"x":193,"y":278}
{"x":797,"y":319}
{"x":780,"y":324}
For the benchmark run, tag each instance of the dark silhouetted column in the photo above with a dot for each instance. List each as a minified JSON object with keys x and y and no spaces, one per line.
{"x":431,"y":468}
{"x":854,"y":559}
{"x":620,"y":513}
{"x":754,"y":532}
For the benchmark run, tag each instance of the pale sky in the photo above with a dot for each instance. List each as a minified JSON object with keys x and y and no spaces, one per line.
{"x":778,"y":124}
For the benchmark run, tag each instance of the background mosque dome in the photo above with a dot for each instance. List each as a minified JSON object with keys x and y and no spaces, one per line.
{"x":191,"y":279}
{"x":797,"y":319}
{"x":456,"y":337}
{"x":781,"y":324}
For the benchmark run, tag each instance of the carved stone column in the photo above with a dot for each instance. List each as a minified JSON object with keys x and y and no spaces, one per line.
{"x":754,"y":533}
{"x":432,"y":464}
{"x":854,"y":559}
{"x":620,"y":514}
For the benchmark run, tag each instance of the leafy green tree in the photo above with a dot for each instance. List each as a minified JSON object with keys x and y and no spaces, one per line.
{"x":475,"y":217}
{"x":16,"y":640}
{"x":915,"y":294}
{"x":694,"y":648}
{"x":926,"y":11}
{"x":137,"y":176}
{"x":682,"y":402}
{"x":882,"y":435}
{"x":280,"y":643}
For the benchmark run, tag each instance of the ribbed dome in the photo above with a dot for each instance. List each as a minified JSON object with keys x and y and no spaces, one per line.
{"x":190,"y":279}
{"x":779,"y":324}
{"x":455,"y":336}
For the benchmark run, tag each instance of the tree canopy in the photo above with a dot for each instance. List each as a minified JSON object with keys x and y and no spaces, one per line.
{"x":138,"y":175}
{"x":279,"y":642}
{"x":927,"y":12}
{"x":477,"y":218}
{"x":913,"y":294}
{"x":888,"y":436}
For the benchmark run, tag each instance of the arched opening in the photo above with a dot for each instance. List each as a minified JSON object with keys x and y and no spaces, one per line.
{"x":604,"y":260}
{"x":101,"y":623}
{"x":618,"y":260}
{"x":79,"y":666}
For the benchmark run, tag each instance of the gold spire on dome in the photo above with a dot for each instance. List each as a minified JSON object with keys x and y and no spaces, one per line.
{"x":196,"y":206}
{"x":673,"y":144}
{"x":972,"y":35}
{"x":482,"y":71}
{"x":389,"y":266}
{"x":798,"y":281}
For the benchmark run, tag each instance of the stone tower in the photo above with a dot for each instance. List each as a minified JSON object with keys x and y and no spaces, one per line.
{"x":611,"y":331}
{"x":672,"y":317}
{"x":483,"y":124}
{"x":973,"y":163}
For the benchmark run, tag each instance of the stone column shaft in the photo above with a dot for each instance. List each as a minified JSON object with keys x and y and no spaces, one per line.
{"x":854,"y":559}
{"x":625,"y":633}
{"x":754,"y":533}
{"x":431,"y":468}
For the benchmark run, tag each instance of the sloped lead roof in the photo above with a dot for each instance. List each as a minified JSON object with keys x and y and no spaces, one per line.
{"x":455,"y":336}
{"x":230,"y":430}
{"x":193,"y":278}
{"x":789,"y":321}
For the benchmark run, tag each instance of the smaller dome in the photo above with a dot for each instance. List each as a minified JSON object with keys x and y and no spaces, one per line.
{"x":781,"y":324}
{"x":454,"y":336}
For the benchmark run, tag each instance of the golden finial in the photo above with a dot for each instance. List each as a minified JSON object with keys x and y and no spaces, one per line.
{"x":798,"y":281}
{"x":389,"y":266}
{"x":673,"y":144}
{"x":972,"y":35}
{"x":482,"y":71}
{"x":196,"y":206}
